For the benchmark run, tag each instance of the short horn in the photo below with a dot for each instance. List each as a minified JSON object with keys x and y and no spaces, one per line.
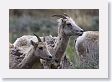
{"x":61,"y":16}
{"x":66,"y":15}
{"x":37,"y":37}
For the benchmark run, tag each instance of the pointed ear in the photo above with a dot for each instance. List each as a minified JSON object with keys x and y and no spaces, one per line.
{"x":63,"y":22}
{"x":43,"y":37}
{"x":34,"y":44}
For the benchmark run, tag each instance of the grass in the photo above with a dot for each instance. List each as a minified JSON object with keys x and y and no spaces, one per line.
{"x":71,"y":53}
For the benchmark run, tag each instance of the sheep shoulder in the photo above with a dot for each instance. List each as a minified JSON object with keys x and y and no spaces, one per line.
{"x":87,"y":47}
{"x":89,"y":39}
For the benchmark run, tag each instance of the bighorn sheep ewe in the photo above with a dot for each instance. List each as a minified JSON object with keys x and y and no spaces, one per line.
{"x":66,"y":28}
{"x":37,"y":51}
{"x":87,"y":47}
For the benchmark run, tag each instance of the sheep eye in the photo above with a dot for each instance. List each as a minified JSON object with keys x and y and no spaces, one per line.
{"x":69,"y":24}
{"x":41,"y":48}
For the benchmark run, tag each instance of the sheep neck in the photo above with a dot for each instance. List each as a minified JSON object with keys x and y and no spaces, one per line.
{"x":29,"y":61}
{"x":61,"y":46}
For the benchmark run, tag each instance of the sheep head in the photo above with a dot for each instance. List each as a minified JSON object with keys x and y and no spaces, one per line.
{"x":68,"y":26}
{"x":40,"y":49}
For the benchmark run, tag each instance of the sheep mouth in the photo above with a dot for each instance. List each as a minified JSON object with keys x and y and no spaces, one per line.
{"x":46,"y":58}
{"x":79,"y":33}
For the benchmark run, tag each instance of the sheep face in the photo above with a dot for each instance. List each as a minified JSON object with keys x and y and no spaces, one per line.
{"x":71,"y":28}
{"x":41,"y":51}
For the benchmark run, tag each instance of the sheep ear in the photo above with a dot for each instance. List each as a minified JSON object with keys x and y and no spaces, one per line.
{"x":63,"y":22}
{"x":43,"y":37}
{"x":34,"y":43}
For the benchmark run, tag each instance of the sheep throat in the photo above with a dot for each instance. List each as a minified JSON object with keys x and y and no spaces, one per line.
{"x":61,"y":46}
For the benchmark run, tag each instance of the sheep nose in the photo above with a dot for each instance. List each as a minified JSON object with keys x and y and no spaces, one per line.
{"x":82,"y":31}
{"x":50,"y":57}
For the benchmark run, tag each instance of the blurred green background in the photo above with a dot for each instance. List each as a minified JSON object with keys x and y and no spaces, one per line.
{"x":29,"y":21}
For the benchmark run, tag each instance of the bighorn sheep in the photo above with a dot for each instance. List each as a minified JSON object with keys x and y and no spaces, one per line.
{"x":87,"y":47}
{"x":23,"y":44}
{"x":66,"y":28}
{"x":37,"y":51}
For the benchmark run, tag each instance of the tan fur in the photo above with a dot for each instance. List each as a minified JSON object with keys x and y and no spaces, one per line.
{"x":87,"y":47}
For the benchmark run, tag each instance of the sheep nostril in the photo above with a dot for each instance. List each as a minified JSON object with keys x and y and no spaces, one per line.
{"x":50,"y":57}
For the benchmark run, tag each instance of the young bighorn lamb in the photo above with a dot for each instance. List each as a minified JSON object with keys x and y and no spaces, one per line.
{"x":66,"y":28}
{"x":87,"y":47}
{"x":37,"y":51}
{"x":25,"y":41}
